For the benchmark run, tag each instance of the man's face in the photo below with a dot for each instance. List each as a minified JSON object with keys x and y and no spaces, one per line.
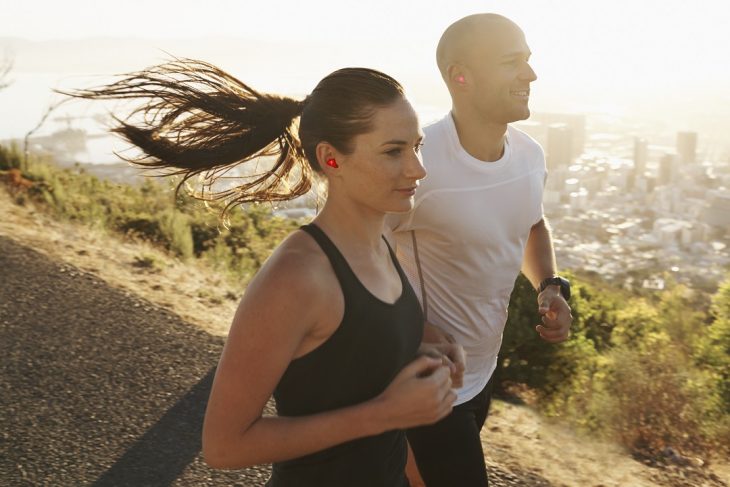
{"x":499,"y":74}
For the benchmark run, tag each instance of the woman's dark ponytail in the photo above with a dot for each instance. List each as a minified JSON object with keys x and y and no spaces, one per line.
{"x":197,"y":119}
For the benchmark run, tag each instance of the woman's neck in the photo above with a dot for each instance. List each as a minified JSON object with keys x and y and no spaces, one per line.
{"x":354,"y":226}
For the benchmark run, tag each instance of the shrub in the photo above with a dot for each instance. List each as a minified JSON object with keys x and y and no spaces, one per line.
{"x":10,"y":157}
{"x":653,"y":401}
{"x":649,"y":372}
{"x":174,"y":226}
{"x":143,"y":227}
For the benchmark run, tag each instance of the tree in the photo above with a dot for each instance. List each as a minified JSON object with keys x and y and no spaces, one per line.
{"x":5,"y":67}
{"x":712,"y":350}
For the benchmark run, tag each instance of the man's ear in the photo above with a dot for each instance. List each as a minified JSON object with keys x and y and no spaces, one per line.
{"x":458,"y":75}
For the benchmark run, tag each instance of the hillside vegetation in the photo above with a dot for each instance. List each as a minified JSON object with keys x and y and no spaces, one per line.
{"x":648,"y":370}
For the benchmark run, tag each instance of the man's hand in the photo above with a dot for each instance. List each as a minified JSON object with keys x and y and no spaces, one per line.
{"x":438,"y":343}
{"x":556,"y":317}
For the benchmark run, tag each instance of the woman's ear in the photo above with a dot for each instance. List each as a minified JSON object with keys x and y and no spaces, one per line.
{"x":327,"y":158}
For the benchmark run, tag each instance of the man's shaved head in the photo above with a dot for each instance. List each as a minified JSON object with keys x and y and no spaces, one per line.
{"x":458,"y":40}
{"x":484,"y":60}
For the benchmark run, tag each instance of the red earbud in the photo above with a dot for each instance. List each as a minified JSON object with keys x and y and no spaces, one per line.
{"x":460,"y":79}
{"x":332,"y":163}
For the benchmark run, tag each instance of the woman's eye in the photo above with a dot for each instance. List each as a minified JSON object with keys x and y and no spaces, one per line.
{"x":418,"y":146}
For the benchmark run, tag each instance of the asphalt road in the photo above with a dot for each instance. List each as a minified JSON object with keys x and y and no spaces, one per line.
{"x":98,"y":387}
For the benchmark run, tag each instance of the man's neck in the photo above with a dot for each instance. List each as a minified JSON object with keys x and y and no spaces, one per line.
{"x":481,"y":139}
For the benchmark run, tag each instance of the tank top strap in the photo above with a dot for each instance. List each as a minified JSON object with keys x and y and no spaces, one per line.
{"x":393,"y":257}
{"x":342,"y":269}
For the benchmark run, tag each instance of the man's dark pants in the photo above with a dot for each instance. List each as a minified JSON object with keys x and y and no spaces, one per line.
{"x":449,"y":452}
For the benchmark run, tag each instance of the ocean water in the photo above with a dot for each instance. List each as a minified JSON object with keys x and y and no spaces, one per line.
{"x":27,"y":100}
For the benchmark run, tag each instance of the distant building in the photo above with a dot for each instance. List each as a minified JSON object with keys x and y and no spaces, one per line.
{"x":661,"y":200}
{"x":572,"y":185}
{"x":641,"y":155}
{"x":655,"y":283}
{"x":594,"y":181}
{"x":578,"y":200}
{"x":575,"y":121}
{"x":536,"y":130}
{"x":559,"y":146}
{"x":667,"y":169}
{"x":618,"y":178}
{"x":646,"y":184}
{"x":669,"y":232}
{"x":551,"y":198}
{"x":697,"y":233}
{"x":642,"y":184}
{"x":556,"y":179}
{"x":717,"y":212}
{"x":687,"y":147}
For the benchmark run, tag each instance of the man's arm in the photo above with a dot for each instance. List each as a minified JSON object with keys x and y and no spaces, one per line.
{"x":539,"y":264}
{"x":539,"y":261}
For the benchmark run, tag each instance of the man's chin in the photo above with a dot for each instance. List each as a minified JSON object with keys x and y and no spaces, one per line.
{"x":522,"y":114}
{"x":516,"y":118}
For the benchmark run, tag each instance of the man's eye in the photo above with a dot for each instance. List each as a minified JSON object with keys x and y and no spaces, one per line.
{"x":394,"y":152}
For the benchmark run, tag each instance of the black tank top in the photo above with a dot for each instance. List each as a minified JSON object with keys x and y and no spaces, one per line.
{"x":373,"y":342}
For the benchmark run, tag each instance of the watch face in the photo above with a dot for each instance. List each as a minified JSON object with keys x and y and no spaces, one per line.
{"x":564,"y":288}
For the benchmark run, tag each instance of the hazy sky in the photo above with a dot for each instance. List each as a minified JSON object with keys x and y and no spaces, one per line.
{"x":665,"y":56}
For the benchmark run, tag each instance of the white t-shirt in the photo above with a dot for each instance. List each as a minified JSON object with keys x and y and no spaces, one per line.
{"x":471,"y":220}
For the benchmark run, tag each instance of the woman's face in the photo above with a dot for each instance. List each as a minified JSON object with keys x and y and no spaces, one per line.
{"x":383,"y":170}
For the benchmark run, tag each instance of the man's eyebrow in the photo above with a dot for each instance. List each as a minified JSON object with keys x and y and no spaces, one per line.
{"x":517,"y":54}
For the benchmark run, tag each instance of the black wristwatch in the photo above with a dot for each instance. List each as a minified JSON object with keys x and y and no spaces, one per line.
{"x":557,"y":281}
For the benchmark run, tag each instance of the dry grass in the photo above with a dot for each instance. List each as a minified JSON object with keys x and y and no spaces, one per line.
{"x":191,"y":290}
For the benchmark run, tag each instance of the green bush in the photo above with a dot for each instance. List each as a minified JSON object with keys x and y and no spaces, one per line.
{"x":175,"y":227}
{"x":524,"y":357}
{"x":650,"y":372}
{"x":655,"y":399}
{"x":712,"y":348}
{"x":143,"y":227}
{"x":10,"y":157}
{"x":151,"y":212}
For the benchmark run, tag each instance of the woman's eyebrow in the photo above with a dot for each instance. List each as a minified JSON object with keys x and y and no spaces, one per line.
{"x":400,"y":142}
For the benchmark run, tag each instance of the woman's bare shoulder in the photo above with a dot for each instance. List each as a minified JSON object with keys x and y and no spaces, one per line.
{"x":296,"y":270}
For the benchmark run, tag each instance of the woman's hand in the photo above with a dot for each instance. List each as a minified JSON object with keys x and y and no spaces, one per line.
{"x":451,"y":355}
{"x":420,"y":394}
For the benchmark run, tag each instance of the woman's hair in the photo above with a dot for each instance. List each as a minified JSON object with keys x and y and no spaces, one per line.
{"x":197,"y":119}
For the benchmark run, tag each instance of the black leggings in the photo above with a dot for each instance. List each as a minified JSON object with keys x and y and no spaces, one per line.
{"x":449,"y":452}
